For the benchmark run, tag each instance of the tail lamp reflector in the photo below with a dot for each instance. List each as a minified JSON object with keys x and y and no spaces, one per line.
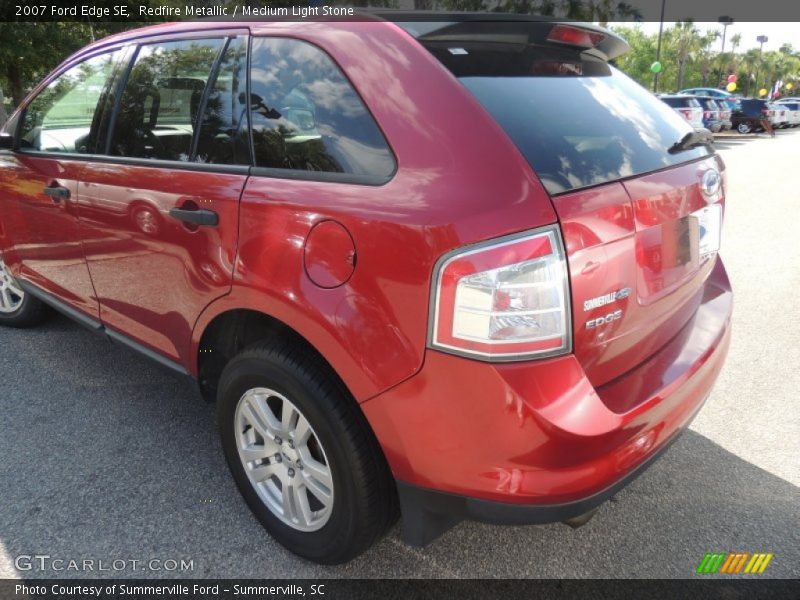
{"x":506,"y":300}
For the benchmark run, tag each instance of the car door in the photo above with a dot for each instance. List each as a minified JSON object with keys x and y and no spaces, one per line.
{"x":161,"y":204}
{"x":42,"y":239}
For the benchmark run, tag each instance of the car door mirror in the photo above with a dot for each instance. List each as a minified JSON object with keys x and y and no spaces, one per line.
{"x":6,"y":141}
{"x":301,"y":118}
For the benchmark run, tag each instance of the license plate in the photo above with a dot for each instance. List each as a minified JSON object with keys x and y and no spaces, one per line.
{"x":709,"y":220}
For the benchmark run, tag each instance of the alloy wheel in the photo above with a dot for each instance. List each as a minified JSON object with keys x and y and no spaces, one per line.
{"x":284,"y":459}
{"x":11,"y":294}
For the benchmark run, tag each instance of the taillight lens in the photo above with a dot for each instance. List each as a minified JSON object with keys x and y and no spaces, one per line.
{"x":505,"y":300}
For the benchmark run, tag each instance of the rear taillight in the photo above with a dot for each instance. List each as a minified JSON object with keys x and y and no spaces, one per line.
{"x":687,"y":113}
{"x":575,"y":36}
{"x":707,"y":114}
{"x":504,"y":300}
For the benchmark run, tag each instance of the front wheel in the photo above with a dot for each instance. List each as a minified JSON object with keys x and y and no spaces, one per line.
{"x":743,"y":128}
{"x":17,"y":309}
{"x":303,"y":455}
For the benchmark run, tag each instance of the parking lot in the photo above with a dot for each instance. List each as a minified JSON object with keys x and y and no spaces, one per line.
{"x":104,"y":455}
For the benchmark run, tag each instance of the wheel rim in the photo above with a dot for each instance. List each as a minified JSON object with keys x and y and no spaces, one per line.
{"x":11,"y":295}
{"x":284,"y":459}
{"x":743,"y":128}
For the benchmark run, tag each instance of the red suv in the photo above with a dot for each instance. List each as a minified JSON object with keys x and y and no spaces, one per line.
{"x":453,"y":269}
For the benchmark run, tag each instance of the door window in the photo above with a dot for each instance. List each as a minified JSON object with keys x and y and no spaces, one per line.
{"x":59,"y":119}
{"x":160,"y":103}
{"x":307,"y":117}
{"x":223,"y":130}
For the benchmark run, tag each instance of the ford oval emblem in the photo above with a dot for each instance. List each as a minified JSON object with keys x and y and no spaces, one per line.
{"x":710,"y":184}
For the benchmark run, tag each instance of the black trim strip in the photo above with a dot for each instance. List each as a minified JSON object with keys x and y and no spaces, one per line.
{"x":147,"y":162}
{"x":320,"y":176}
{"x":60,"y":306}
{"x":201,"y":110}
{"x":115,"y":336}
{"x":123,"y":81}
{"x":98,"y":327}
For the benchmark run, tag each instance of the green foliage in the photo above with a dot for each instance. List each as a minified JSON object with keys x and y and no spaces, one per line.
{"x":692,"y":59}
{"x":30,"y":50}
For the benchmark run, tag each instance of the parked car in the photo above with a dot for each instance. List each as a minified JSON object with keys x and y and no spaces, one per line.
{"x":778,"y":115}
{"x":712,"y":114}
{"x":686,"y":106}
{"x":793,"y":109}
{"x":731,"y":101}
{"x":724,"y":115}
{"x":444,"y":302}
{"x":751,"y":115}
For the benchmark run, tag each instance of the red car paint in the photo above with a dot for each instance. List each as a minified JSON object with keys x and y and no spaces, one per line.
{"x":540,"y":431}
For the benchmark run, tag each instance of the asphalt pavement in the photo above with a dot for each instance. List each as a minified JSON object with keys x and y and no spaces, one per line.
{"x":105,"y":456}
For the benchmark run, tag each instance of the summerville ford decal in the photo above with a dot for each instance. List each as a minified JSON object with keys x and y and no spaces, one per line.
{"x":599,"y":301}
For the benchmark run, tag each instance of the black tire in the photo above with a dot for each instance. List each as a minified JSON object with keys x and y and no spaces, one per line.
{"x":365,"y":499}
{"x":30,"y":313}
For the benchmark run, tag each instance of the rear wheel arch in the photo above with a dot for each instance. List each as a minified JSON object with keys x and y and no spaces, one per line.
{"x":233,"y":330}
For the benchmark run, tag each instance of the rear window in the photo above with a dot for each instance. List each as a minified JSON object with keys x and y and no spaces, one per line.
{"x":578,"y":121}
{"x":681,"y":102}
{"x":753,"y":107}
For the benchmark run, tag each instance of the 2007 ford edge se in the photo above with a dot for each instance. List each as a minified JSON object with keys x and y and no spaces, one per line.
{"x":462,"y":269}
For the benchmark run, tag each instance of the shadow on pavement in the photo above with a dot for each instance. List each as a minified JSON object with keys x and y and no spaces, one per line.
{"x":106,"y":456}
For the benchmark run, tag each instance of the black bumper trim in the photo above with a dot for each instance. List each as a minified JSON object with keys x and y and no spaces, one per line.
{"x":428,"y":513}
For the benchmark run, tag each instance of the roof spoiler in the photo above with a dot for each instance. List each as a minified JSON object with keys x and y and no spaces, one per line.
{"x":431,"y":26}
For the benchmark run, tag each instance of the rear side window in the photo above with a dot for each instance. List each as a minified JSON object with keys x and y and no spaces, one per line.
{"x":160,"y":103}
{"x":306,"y":117}
{"x":674,"y":102}
{"x":578,"y":121}
{"x":223,"y":129}
{"x":59,"y":119}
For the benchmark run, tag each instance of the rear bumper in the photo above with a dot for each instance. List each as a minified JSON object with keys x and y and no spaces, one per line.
{"x":535,"y":442}
{"x":429,"y":513}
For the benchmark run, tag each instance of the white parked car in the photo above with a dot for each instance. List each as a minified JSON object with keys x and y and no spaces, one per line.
{"x":793,"y":108}
{"x":778,"y":115}
{"x":686,"y":106}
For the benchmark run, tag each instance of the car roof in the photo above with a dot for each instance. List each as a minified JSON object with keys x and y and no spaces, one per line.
{"x":708,"y":90}
{"x":464,"y":24}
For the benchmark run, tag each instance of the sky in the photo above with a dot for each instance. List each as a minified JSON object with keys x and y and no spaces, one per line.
{"x":778,"y":33}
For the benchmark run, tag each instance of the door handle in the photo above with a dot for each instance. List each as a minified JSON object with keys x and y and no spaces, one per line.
{"x":204,"y":218}
{"x":57,"y":193}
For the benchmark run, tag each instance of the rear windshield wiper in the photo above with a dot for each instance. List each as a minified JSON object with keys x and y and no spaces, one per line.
{"x":693,"y":139}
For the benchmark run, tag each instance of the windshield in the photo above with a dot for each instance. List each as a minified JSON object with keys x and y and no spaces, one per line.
{"x":577,"y":121}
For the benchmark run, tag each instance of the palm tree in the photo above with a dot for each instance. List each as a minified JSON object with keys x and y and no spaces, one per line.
{"x":686,"y":41}
{"x":706,"y":60}
{"x":749,"y":63}
{"x":736,"y":40}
